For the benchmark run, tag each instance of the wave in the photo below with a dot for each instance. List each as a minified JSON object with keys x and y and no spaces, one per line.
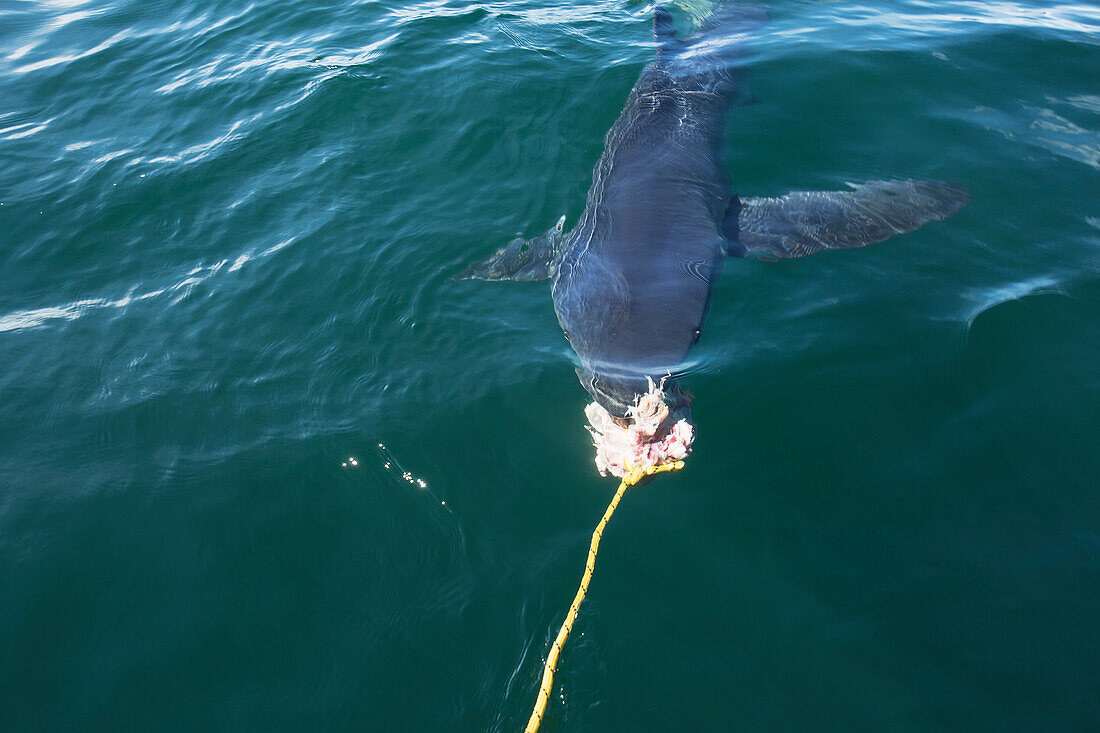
{"x":23,"y":320}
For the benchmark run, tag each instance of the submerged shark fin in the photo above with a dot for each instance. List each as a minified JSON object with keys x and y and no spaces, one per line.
{"x":801,"y":223}
{"x":664,"y":33}
{"x":521,"y":259}
{"x":664,"y":30}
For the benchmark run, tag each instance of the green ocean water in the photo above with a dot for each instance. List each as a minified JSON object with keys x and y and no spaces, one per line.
{"x":265,"y":466}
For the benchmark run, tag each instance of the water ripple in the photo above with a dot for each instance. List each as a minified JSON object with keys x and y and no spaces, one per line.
{"x":178,"y":291}
{"x":945,"y":18}
{"x":227,"y":230}
{"x":988,"y":298}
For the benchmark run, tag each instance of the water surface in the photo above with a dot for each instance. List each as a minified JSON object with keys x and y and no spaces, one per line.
{"x":263,"y":466}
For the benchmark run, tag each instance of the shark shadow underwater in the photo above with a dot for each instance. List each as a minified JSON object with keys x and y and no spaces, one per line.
{"x":632,"y":281}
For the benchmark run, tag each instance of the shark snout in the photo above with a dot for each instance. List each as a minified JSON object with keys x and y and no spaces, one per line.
{"x":619,"y":393}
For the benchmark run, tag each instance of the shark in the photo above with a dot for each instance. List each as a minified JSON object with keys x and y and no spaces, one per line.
{"x":631,"y":282}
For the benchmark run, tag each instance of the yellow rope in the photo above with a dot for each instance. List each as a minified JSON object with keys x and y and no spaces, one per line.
{"x":634,"y":476}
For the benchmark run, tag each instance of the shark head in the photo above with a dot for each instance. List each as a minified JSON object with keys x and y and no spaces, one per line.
{"x":618,"y":391}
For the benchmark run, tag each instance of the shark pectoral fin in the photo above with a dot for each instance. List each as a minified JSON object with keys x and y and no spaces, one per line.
{"x":520,"y":259}
{"x":516,"y":260}
{"x":801,"y":223}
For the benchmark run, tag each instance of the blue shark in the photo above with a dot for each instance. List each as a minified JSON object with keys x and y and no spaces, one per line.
{"x":631,"y":282}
